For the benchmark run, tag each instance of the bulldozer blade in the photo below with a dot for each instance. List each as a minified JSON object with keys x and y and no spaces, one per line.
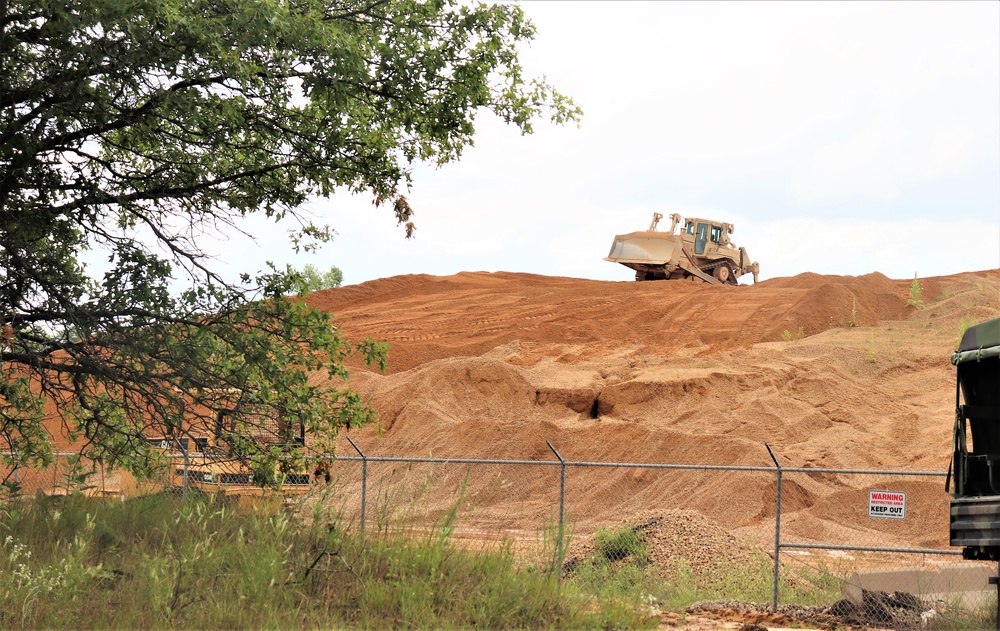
{"x":643,"y":248}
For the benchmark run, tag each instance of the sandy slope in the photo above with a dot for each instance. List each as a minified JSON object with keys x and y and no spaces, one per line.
{"x":495,"y":364}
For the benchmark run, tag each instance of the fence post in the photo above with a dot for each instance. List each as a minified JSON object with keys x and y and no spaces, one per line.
{"x":777,"y":530}
{"x":184,"y":451}
{"x":562,"y":508}
{"x":995,"y":580}
{"x":364,"y":483}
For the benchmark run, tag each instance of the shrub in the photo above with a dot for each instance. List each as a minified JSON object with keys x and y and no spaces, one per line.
{"x":616,"y":545}
{"x":915,"y":292}
{"x":871,"y":352}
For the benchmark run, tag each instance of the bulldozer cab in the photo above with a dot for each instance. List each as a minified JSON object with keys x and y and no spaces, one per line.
{"x":701,"y":238}
{"x":268,"y":427}
{"x":215,"y":462}
{"x":704,"y":232}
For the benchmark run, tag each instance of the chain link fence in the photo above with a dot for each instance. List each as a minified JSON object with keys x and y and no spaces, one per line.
{"x":883,"y":536}
{"x":868,"y":546}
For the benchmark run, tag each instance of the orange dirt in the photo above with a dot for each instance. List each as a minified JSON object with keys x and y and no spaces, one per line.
{"x":830,"y":371}
{"x":495,"y":364}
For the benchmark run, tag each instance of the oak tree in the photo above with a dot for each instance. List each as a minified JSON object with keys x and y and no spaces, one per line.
{"x":310,"y":279}
{"x":137,"y":128}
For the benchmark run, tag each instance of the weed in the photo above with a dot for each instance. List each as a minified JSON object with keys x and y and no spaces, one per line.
{"x":964,"y":324}
{"x":854,"y":313}
{"x":871,"y":352}
{"x":786,"y":335}
{"x":403,"y":495}
{"x":620,"y":544}
{"x":954,"y":613}
{"x":915,"y":292}
{"x":801,"y":333}
{"x":555,"y":542}
{"x":618,"y":575}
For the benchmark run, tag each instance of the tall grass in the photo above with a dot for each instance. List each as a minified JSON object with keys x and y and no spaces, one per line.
{"x":196,"y":562}
{"x":165,"y":562}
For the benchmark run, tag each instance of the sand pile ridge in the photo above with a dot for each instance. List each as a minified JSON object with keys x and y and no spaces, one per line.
{"x":831,"y":371}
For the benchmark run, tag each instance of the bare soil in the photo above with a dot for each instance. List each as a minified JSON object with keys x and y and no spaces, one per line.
{"x":863,"y":380}
{"x":829,"y":371}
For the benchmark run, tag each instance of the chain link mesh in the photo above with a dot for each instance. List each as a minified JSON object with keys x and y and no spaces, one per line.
{"x":699,"y":508}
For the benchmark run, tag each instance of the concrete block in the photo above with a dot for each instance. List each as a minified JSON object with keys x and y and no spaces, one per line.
{"x":949,"y":582}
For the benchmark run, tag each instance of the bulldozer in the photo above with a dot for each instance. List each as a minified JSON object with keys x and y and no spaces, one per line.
{"x":701,"y":251}
{"x":204,"y":458}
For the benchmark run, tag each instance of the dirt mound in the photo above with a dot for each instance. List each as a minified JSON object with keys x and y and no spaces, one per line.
{"x":426,"y":317}
{"x":830,"y":371}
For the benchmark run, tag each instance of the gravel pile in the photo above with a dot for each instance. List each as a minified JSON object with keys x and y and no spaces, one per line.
{"x":691,"y":537}
{"x":675,"y":536}
{"x":672,"y":537}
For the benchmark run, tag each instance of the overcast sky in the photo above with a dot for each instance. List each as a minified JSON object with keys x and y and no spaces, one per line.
{"x":838,"y":138}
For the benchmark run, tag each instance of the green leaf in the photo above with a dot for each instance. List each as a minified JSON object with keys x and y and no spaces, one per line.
{"x":140,"y":128}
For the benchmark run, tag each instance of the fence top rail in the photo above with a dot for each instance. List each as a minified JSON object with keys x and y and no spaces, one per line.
{"x":653,"y":465}
{"x":568,"y":463}
{"x":939,"y":474}
{"x":646,"y":465}
{"x":440,"y":460}
{"x":642,"y":465}
{"x":574,"y":463}
{"x":822,"y":546}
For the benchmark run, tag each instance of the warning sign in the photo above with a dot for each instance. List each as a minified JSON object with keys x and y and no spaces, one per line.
{"x":890,"y":504}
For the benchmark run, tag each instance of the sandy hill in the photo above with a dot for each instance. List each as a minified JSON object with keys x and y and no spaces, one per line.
{"x":488,"y":356}
{"x":830,"y":371}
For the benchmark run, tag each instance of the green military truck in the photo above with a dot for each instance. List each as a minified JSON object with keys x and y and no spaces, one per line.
{"x":975,"y":504}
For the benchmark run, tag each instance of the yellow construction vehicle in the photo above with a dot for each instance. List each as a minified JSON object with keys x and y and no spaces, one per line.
{"x":204,"y":455}
{"x":701,"y":251}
